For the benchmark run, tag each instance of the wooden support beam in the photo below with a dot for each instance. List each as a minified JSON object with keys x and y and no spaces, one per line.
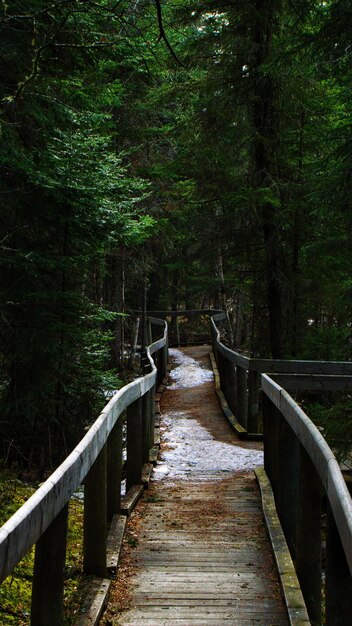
{"x":95,"y":517}
{"x":308,"y":535}
{"x":48,"y":576}
{"x":134,"y":462}
{"x":287,"y":470}
{"x":146,"y":425}
{"x":241,"y":399}
{"x":271,"y":417}
{"x":338,"y":579}
{"x":253,"y":423}
{"x":114,"y":470}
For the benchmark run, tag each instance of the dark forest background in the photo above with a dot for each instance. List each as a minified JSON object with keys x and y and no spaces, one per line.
{"x":199,"y":150}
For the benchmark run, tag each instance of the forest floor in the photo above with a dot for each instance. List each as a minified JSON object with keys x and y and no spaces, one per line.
{"x":196,"y":550}
{"x":15,"y":591}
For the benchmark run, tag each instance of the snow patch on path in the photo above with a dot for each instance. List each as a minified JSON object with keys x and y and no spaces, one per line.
{"x":192,"y":450}
{"x":187,"y":372}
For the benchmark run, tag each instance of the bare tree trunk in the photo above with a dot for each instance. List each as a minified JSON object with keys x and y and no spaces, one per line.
{"x":265,"y":120}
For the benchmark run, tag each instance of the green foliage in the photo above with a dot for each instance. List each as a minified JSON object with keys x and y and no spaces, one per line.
{"x":336,"y":424}
{"x":74,"y":198}
{"x":15,"y":591}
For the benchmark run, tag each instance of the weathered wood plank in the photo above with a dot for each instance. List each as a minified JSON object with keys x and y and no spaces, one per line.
{"x":289,"y":581}
{"x":146,"y":473}
{"x":129,"y":501}
{"x":114,"y":543}
{"x":202,"y":553}
{"x":94,"y":602}
{"x":153,"y":454}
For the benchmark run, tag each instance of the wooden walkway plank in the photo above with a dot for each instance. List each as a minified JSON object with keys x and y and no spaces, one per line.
{"x":200,"y":551}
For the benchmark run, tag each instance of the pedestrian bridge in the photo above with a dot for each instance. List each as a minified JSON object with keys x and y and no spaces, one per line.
{"x":234,"y":530}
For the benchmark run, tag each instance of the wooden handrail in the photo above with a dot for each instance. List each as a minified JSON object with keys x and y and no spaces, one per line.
{"x":240,"y":377}
{"x":279,"y":366}
{"x":322,"y":458}
{"x":302,"y":470}
{"x":41,"y":510}
{"x":300,"y":465}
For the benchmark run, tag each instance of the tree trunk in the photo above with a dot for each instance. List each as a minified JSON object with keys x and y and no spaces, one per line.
{"x":265,"y":121}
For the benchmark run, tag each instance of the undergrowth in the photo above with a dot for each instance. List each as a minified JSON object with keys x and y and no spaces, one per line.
{"x":15,"y":591}
{"x":335,"y":422}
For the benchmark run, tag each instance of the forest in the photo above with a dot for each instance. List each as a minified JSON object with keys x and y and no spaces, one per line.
{"x":193,"y":153}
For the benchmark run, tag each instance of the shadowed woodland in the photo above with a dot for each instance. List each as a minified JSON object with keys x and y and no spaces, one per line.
{"x":166,"y":155}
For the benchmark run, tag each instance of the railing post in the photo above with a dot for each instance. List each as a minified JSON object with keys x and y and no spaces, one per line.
{"x":308,"y":535}
{"x":231,"y":386}
{"x":253,"y":402}
{"x":159,"y":363}
{"x":48,"y":575}
{"x":164,"y":360}
{"x":241,"y":393}
{"x":271,"y":416}
{"x":286,"y":498}
{"x":146,"y":425}
{"x":148,"y":332}
{"x":95,"y":517}
{"x":152,"y":416}
{"x":220,"y":364}
{"x":215,"y":347}
{"x":114,"y":469}
{"x":134,"y":444}
{"x":338,"y":581}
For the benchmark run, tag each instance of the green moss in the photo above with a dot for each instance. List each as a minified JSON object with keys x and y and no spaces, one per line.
{"x":15,"y":591}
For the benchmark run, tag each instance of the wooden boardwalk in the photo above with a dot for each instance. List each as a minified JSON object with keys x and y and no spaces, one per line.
{"x":200,"y":555}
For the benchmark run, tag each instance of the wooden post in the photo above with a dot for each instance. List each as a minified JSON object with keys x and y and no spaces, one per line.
{"x":148,"y":332}
{"x":95,"y":517}
{"x":160,"y":366}
{"x":338,"y":581}
{"x":146,"y":424}
{"x":152,"y":416}
{"x":220,"y":364}
{"x":48,"y":576}
{"x":308,"y":535}
{"x":215,"y":347}
{"x":114,"y":470}
{"x":241,"y":393}
{"x":287,"y":471}
{"x":134,"y":444}
{"x":224,"y":377}
{"x":165,"y":360}
{"x":271,"y":417}
{"x":229,"y":389}
{"x":253,"y":402}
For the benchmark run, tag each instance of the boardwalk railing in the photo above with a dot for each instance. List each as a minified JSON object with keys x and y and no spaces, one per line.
{"x":311,"y":497}
{"x":180,"y":321}
{"x":240,"y":377}
{"x":97,"y":462}
{"x":306,"y":480}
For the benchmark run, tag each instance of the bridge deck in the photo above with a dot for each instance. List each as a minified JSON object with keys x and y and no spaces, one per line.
{"x":197,"y":551}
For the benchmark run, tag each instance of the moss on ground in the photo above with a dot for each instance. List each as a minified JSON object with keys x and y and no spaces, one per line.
{"x":15,"y":591}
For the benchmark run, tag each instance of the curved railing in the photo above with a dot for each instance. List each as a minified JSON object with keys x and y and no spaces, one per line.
{"x":305,"y":476}
{"x":96,"y":461}
{"x":240,"y":377}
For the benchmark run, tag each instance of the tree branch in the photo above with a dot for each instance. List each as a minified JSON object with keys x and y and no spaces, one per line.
{"x":162,"y":34}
